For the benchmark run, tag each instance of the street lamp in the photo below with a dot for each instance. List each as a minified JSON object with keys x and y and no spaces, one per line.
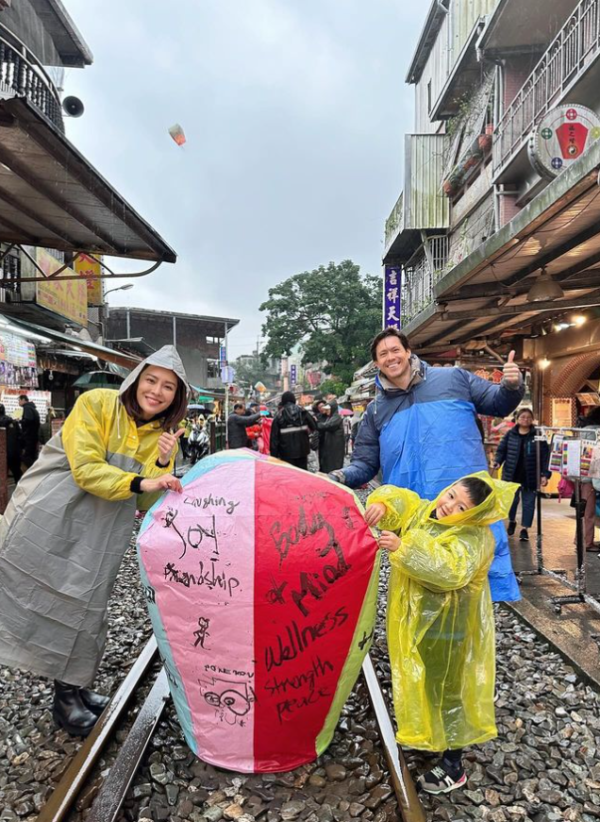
{"x":110,"y":290}
{"x":120,"y":288}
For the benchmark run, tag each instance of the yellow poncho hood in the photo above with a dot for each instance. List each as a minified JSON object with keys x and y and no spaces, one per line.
{"x":493,"y":509}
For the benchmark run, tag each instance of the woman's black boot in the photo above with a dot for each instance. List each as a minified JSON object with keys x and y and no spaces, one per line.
{"x":94,"y":701}
{"x":69,"y":711}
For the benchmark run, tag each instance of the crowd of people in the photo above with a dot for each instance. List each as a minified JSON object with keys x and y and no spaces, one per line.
{"x":293,"y":432}
{"x":439,"y":512}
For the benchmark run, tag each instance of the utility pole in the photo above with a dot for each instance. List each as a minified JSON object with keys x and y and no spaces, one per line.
{"x":285,"y":374}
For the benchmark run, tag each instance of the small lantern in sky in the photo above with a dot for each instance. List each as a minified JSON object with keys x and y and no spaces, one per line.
{"x":178,"y":134}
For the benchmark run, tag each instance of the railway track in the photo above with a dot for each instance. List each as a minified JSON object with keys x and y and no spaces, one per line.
{"x":111,"y":795}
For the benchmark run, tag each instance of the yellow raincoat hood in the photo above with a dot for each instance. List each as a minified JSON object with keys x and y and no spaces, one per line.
{"x":493,"y":509}
{"x":440,"y":621}
{"x":165,"y":357}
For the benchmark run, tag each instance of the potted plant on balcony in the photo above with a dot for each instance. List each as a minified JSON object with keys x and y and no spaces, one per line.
{"x":484,"y":141}
{"x":454,"y":181}
{"x":447,"y":187}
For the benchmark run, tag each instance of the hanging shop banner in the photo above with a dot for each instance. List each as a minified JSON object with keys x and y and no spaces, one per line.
{"x":69,"y":298}
{"x":261,"y":581}
{"x":9,"y":397}
{"x":561,"y":137}
{"x":562,"y":412}
{"x":17,"y":375}
{"x":88,"y":266}
{"x":293,"y":374}
{"x":16,"y":350}
{"x":590,"y":399}
{"x":227,"y":374}
{"x":391,"y":297}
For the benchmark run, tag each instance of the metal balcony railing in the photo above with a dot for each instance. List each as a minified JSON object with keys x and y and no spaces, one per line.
{"x":21,"y":74}
{"x":421,"y":274}
{"x":395,"y":222}
{"x":572,"y":51}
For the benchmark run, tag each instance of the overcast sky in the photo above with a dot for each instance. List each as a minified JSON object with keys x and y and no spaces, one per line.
{"x":294,"y":112}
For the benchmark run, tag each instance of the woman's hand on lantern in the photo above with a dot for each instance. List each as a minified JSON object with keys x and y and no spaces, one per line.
{"x":165,"y":483}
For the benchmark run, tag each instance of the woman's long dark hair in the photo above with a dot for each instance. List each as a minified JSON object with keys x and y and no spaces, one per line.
{"x":169,"y":419}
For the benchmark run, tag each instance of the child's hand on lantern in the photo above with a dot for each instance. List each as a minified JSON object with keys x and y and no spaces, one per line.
{"x":389,"y":541}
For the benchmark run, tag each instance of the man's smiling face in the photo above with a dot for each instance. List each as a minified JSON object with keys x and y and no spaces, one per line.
{"x":393,"y":360}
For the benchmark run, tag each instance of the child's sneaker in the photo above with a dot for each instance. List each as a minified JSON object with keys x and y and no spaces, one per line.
{"x":439,"y":780}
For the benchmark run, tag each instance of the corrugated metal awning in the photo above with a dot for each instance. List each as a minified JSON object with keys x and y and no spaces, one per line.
{"x":51,"y":196}
{"x":75,"y":344}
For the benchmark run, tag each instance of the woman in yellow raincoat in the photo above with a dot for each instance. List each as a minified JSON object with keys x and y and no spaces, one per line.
{"x":69,"y":522}
{"x":440,"y":621}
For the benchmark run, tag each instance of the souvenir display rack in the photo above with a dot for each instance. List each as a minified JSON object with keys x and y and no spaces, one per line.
{"x":575,"y":453}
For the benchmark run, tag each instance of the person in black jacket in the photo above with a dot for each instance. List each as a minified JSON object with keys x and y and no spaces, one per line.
{"x":332,"y":445}
{"x":13,"y":448}
{"x":237,"y":424}
{"x":290,"y":432}
{"x":517,"y":453}
{"x":30,"y":430}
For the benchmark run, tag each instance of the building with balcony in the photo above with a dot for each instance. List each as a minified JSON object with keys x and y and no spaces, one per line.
{"x":507,"y":249}
{"x":198,"y":340}
{"x":54,"y":205}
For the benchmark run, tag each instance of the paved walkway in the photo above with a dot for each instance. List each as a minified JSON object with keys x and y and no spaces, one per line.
{"x":558,"y":532}
{"x":573,"y":628}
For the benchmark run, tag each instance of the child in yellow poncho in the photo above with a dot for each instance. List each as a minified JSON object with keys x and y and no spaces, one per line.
{"x":440,"y":621}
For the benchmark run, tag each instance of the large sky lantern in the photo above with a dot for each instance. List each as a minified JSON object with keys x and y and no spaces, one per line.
{"x":261,"y":581}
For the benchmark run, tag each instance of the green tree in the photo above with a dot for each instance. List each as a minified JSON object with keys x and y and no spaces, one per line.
{"x":333,"y":312}
{"x":333,"y":386}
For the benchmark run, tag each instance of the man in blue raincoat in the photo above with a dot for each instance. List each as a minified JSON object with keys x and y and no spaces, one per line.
{"x":421,"y":432}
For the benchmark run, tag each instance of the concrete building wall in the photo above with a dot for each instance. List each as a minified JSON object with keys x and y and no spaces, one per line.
{"x":432,"y":81}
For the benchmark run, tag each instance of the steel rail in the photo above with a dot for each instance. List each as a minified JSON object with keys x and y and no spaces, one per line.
{"x":113,"y":791}
{"x":411,"y":809}
{"x":107,"y":803}
{"x":74,"y":778}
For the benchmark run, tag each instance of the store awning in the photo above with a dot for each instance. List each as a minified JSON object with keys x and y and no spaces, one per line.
{"x":75,"y":344}
{"x":485,"y":296}
{"x":207,"y":394}
{"x":51,"y":196}
{"x":97,"y":379}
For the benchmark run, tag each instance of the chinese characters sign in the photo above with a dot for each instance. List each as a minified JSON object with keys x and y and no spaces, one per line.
{"x":561,"y":137}
{"x":67,"y":298}
{"x":89,"y":266}
{"x":392,"y":283}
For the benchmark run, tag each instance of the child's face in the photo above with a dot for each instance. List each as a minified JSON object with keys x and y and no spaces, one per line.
{"x":456,"y":500}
